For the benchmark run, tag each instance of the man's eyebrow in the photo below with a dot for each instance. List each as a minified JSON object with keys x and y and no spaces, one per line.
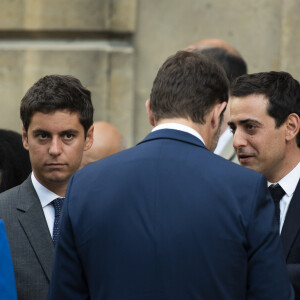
{"x":74,"y":131}
{"x":39,"y":130}
{"x":230,"y":123}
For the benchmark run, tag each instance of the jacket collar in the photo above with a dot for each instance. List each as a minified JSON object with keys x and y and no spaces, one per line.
{"x":173,"y":135}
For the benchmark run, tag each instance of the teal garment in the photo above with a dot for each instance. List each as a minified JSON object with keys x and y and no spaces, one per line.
{"x":7,"y":278}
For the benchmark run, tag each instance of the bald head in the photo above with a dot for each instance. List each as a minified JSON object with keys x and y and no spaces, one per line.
{"x":214,"y":43}
{"x":107,"y":141}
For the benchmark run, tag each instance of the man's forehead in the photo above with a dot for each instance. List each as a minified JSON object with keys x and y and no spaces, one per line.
{"x":59,"y":119}
{"x":251,"y":107}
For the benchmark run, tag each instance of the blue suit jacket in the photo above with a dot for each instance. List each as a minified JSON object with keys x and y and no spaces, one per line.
{"x":169,"y":220}
{"x":7,"y":280}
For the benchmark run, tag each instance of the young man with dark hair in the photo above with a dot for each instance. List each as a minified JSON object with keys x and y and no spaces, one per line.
{"x":168,"y":219}
{"x":264,"y":118}
{"x":57,"y":116}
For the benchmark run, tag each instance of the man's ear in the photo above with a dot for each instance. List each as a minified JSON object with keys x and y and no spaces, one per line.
{"x":89,"y":138}
{"x":292,"y":126}
{"x":149,"y":112}
{"x":218,"y":109}
{"x":25,"y":138}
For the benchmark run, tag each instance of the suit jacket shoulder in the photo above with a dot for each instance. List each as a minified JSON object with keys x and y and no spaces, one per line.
{"x":29,"y":238}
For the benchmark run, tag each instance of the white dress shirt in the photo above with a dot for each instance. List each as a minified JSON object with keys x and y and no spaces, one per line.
{"x":223,"y":140}
{"x":46,"y":197}
{"x":288,"y":183}
{"x":177,"y":126}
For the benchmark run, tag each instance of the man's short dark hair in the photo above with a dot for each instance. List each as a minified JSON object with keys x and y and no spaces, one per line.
{"x":58,"y":92}
{"x":280,"y":88}
{"x":188,"y":85}
{"x":233,"y":65}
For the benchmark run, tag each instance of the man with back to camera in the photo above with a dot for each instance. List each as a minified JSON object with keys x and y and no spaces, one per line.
{"x":57,"y":116}
{"x":264,"y":118}
{"x":168,"y":219}
{"x":234,"y":66}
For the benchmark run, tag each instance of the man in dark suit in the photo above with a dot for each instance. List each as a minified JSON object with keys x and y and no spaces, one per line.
{"x":57,"y":116}
{"x":168,"y":219}
{"x":264,"y":118}
{"x":7,"y":278}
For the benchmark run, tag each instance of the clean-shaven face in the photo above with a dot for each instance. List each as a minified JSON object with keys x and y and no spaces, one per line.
{"x":55,"y":142}
{"x":258,"y":143}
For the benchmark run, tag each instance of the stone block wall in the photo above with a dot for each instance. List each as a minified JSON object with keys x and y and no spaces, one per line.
{"x":115,"y":47}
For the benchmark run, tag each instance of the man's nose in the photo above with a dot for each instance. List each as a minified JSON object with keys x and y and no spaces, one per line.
{"x":239,"y":139}
{"x":55,"y":146}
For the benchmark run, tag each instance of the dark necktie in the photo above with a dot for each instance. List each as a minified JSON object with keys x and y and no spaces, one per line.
{"x":277,"y":193}
{"x":58,"y":203}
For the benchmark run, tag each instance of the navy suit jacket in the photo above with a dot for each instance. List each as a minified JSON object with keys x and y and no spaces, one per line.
{"x":168,"y":220}
{"x":290,"y":237}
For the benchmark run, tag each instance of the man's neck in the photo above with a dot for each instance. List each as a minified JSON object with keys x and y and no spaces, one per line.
{"x":287,"y":165}
{"x":199,"y":128}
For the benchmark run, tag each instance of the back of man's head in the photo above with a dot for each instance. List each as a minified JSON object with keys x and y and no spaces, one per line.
{"x":58,"y":92}
{"x":188,"y":85}
{"x":107,"y":141}
{"x":233,"y":65}
{"x":280,"y":88}
{"x":229,"y":58}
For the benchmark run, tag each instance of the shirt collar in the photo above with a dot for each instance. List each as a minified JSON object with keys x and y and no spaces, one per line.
{"x":289,"y":182}
{"x":180,"y":127}
{"x":45,"y":195}
{"x":223,"y":140}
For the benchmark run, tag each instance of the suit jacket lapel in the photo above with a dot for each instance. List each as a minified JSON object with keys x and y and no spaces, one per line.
{"x":33,"y":222}
{"x":292,"y":222}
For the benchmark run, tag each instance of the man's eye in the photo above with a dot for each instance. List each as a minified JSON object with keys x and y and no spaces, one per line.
{"x":68,"y":136}
{"x":43,"y":136}
{"x":251,"y":127}
{"x":232,"y":130}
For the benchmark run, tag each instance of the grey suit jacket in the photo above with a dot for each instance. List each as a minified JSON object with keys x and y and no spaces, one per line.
{"x":30,"y":241}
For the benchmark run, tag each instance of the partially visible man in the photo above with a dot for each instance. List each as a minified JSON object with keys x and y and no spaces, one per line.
{"x":107,"y":141}
{"x":168,"y":219}
{"x":57,"y":116}
{"x":234,"y":66}
{"x":7,"y":278}
{"x":265,"y":110}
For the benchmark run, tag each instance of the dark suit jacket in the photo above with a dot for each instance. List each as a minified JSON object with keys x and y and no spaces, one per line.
{"x":29,"y":239}
{"x":168,"y":220}
{"x":290,"y":237}
{"x":7,"y":279}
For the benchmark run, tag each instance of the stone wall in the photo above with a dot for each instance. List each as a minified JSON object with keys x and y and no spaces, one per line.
{"x":115,"y":47}
{"x":90,"y":39}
